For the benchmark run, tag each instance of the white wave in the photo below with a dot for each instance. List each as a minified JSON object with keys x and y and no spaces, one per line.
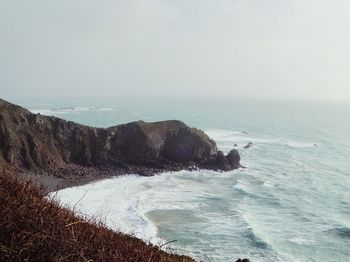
{"x":226,"y":140}
{"x":222,"y":133}
{"x":41,"y":111}
{"x":125,"y":201}
{"x":296,"y":144}
{"x":139,"y":205}
{"x":302,"y":241}
{"x":237,"y":137}
{"x":269,"y":184}
{"x":64,"y":110}
{"x":237,"y":186}
{"x":117,"y":201}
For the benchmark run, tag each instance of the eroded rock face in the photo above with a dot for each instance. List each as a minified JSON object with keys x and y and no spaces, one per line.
{"x":141,"y":142}
{"x":30,"y":141}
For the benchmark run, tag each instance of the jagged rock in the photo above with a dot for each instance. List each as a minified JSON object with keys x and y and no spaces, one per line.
{"x":30,"y":141}
{"x":243,"y":260}
{"x":233,"y":159}
{"x":229,"y":162}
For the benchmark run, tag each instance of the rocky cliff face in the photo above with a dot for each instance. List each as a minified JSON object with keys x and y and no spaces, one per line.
{"x":32,"y":141}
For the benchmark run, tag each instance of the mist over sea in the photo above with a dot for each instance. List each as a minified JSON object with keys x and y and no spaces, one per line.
{"x":291,"y":203}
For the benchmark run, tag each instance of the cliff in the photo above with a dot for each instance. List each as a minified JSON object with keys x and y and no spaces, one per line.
{"x":34,"y":142}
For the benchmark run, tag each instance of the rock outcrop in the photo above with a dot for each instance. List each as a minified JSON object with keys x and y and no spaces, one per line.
{"x":32,"y":141}
{"x":249,"y":145}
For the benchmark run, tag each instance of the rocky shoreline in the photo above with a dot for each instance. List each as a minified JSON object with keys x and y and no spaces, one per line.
{"x":72,"y":175}
{"x":56,"y":153}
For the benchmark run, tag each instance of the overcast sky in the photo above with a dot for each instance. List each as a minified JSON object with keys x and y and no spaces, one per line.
{"x":298,"y":49}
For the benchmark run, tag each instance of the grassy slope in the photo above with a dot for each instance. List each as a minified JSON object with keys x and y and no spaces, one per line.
{"x":33,"y":228}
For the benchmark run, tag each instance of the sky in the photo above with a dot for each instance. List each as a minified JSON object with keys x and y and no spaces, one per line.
{"x":271,"y":49}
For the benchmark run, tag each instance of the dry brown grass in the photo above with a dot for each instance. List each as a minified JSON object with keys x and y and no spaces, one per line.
{"x":33,"y":228}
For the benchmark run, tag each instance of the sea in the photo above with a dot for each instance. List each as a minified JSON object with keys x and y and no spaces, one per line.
{"x":290,"y":203}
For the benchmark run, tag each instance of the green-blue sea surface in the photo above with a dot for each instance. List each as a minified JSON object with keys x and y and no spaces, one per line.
{"x":291,"y":203}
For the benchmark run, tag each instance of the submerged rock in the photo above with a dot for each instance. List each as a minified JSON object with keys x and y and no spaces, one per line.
{"x":30,"y":141}
{"x":249,"y":145}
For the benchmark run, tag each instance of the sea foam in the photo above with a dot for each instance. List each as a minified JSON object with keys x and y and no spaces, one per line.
{"x":68,"y":110}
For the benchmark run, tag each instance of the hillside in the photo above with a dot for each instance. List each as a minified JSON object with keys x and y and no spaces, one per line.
{"x":36,"y":229}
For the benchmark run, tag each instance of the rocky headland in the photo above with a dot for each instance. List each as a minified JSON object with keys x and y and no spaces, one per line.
{"x":57,"y":153}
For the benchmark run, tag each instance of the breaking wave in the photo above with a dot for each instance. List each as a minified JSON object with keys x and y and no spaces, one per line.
{"x":65,"y":110}
{"x":258,"y":212}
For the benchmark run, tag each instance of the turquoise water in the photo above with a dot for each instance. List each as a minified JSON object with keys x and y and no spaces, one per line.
{"x":292,"y":203}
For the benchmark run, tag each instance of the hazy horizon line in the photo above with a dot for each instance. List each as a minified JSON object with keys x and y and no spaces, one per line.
{"x":22,"y":98}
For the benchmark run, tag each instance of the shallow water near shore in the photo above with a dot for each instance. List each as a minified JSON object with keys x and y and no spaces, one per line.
{"x":291,"y":203}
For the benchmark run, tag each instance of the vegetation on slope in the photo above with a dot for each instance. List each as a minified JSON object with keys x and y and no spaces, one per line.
{"x":33,"y":228}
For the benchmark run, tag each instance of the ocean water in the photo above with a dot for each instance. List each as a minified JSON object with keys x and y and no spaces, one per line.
{"x":291,"y":203}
